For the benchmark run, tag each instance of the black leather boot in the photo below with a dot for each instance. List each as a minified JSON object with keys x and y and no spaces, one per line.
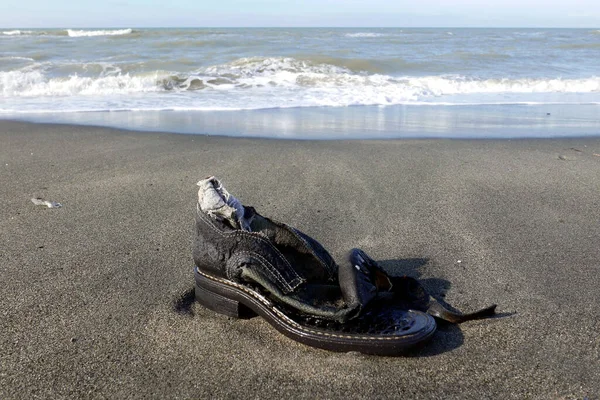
{"x":248,"y":264}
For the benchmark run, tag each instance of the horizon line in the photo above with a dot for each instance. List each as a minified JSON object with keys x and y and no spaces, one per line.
{"x":302,"y":27}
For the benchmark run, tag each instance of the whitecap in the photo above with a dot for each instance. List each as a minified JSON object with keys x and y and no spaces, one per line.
{"x":114,"y":32}
{"x":365,"y":35}
{"x":16,"y":32}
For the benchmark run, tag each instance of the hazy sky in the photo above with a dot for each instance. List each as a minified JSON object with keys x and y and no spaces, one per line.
{"x":355,"y":13}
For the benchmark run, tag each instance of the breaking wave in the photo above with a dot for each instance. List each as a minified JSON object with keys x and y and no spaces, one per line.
{"x":36,"y":83}
{"x":70,"y":32}
{"x":9,"y":58}
{"x":115,"y":32}
{"x":17,"y":32}
{"x":278,"y":82}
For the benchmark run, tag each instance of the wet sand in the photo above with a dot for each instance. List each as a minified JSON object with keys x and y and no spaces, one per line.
{"x":493,"y":121}
{"x":96,"y":294}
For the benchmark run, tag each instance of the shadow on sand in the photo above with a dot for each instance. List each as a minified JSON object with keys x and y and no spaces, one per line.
{"x":182,"y":304}
{"x":448,"y":336}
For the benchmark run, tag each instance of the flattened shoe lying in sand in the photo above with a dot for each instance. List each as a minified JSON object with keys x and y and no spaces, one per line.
{"x":247,"y":264}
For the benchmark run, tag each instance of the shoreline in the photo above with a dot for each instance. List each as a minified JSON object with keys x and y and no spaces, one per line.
{"x":90,"y":289}
{"x":508,"y":121}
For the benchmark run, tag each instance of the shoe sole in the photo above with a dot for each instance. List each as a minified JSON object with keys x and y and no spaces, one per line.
{"x":235,"y":300}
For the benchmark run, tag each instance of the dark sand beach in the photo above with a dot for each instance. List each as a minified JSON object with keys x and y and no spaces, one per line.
{"x":95,"y":295}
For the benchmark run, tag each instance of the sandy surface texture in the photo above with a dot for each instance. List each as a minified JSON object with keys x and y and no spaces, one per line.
{"x":96,"y":294}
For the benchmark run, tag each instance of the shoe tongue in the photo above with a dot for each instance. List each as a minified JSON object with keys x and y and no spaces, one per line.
{"x":216,"y":201}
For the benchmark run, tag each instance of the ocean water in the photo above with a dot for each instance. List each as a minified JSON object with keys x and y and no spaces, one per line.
{"x":308,"y":82}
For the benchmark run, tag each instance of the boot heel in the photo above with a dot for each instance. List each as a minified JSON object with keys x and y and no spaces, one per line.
{"x":221,"y":304}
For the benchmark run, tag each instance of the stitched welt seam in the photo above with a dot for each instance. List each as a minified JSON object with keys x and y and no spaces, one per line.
{"x":294,"y":323}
